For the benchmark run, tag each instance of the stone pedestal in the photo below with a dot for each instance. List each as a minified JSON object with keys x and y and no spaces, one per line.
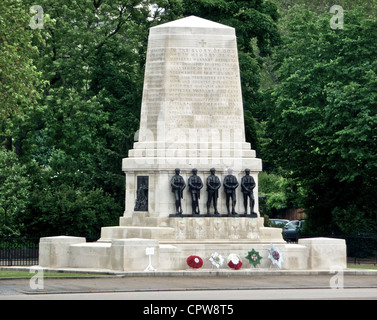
{"x":199,"y":229}
{"x":90,"y":255}
{"x":130,"y":254}
{"x":55,"y":251}
{"x":326,"y":253}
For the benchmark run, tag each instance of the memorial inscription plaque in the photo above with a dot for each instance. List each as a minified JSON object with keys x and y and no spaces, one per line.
{"x":191,"y":82}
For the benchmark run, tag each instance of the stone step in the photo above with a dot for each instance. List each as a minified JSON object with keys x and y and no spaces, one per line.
{"x":90,"y":255}
{"x":183,"y":228}
{"x":126,"y":232}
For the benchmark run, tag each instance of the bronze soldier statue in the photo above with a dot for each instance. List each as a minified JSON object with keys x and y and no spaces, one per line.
{"x":247,"y":187}
{"x":213,"y":186}
{"x":177,"y":186}
{"x":230,"y":186}
{"x":195,"y":184}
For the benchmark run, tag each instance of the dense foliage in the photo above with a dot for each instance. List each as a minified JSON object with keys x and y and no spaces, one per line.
{"x":323,"y":117}
{"x":71,"y":94}
{"x":72,"y":102}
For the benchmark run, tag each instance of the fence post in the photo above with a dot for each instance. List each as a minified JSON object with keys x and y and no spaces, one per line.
{"x":10,"y":253}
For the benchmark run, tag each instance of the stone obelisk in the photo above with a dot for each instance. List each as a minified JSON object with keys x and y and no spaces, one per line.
{"x":191,"y":114}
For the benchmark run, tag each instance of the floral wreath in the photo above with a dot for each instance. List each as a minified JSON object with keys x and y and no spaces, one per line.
{"x":216,"y":259}
{"x":234,"y":261}
{"x":254,"y":257}
{"x":275,"y":256}
{"x":194,"y":262}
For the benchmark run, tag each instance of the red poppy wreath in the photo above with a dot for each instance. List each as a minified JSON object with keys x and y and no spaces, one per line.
{"x":194,"y":262}
{"x":234,"y":261}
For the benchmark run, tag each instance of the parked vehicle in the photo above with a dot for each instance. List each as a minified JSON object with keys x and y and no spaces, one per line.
{"x":292,"y":230}
{"x":278,"y":223}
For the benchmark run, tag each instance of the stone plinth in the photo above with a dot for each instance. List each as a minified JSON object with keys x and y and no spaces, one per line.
{"x":326,"y":253}
{"x":54,"y":251}
{"x":143,"y":232}
{"x":295,"y":256}
{"x":130,"y":254}
{"x":90,"y":255}
{"x":199,"y":229}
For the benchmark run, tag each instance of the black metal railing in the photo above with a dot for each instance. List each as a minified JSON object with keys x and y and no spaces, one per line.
{"x":23,"y":251}
{"x":361,"y":247}
{"x":19,"y":251}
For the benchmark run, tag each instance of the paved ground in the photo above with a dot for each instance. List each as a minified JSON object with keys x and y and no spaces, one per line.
{"x":274,"y":286}
{"x":199,"y":297}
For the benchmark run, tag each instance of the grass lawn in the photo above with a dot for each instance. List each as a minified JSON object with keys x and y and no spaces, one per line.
{"x":362,"y":266}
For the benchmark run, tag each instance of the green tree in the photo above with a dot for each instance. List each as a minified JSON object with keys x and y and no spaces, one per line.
{"x":91,"y":58}
{"x":280,"y":193}
{"x":15,"y":187}
{"x":92,"y":65}
{"x":324,"y":117}
{"x":20,"y":80}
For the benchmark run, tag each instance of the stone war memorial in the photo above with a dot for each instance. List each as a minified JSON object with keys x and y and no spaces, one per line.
{"x":191,"y":177}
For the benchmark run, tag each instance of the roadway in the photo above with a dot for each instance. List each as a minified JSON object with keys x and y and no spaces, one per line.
{"x":213,"y":295}
{"x":265,"y":287}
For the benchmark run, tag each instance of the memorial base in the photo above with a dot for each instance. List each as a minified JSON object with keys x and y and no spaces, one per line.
{"x":125,"y":248}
